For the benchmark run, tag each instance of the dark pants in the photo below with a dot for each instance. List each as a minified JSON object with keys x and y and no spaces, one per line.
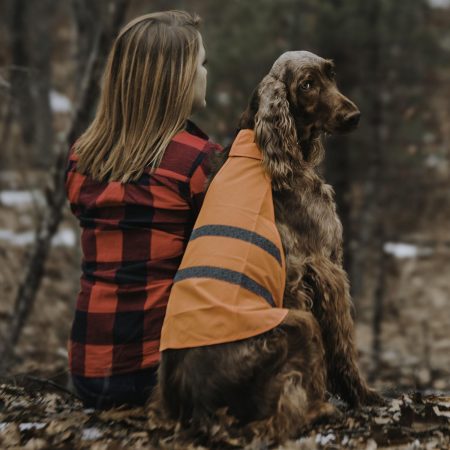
{"x":131,"y":389}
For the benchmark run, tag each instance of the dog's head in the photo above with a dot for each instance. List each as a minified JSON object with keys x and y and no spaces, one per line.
{"x":292,"y":106}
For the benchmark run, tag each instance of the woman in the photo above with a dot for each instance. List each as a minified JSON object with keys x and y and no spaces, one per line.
{"x":135,"y":180}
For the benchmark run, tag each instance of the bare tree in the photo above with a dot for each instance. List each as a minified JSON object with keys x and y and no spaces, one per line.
{"x":372,"y":220}
{"x":107,"y":28}
{"x":39,"y":23}
{"x":21,"y":108}
{"x":86,"y":14}
{"x":30,"y":79}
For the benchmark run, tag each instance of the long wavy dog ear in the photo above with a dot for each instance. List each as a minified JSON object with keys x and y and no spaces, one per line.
{"x":275,"y":133}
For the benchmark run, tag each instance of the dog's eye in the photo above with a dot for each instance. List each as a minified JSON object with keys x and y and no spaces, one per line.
{"x":306,"y":85}
{"x":332,"y":74}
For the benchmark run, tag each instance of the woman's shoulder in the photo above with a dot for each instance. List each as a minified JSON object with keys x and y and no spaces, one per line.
{"x":191,"y":136}
{"x":194,"y":138}
{"x":187,"y":150}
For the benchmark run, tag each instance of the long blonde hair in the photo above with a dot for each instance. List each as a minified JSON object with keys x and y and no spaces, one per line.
{"x":146,"y":97}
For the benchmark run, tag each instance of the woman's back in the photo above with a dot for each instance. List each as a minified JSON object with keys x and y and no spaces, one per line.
{"x":133,"y":238}
{"x":135,"y":180}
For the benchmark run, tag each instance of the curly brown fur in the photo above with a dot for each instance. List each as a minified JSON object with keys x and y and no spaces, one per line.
{"x":278,"y":380}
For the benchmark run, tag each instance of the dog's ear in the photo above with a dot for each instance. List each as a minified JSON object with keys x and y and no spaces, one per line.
{"x":247,"y":119}
{"x":275,"y":133}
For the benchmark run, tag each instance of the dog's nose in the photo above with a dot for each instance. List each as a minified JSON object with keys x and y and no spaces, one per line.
{"x":352,"y":119}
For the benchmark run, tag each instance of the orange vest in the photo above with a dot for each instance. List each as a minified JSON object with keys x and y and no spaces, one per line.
{"x":231,"y":280}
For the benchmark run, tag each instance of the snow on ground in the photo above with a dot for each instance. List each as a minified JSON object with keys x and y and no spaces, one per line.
{"x":66,"y":237}
{"x":402,"y":250}
{"x":59,"y":103}
{"x":22,"y":199}
{"x":63,"y":238}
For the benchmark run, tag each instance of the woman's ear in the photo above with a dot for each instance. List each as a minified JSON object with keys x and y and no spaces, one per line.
{"x":275,"y":133}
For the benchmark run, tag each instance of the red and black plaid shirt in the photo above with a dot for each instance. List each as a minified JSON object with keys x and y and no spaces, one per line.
{"x":133,"y":238}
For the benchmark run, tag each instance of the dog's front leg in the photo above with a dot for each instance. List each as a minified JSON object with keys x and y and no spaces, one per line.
{"x":332,"y":308}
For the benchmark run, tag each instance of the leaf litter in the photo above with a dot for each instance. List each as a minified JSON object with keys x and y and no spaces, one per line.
{"x":37,"y":417}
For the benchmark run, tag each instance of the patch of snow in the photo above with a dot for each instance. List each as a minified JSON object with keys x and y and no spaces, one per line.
{"x":91,"y":434}
{"x":62,"y":352}
{"x":31,"y":425}
{"x":325,"y":439}
{"x":64,"y":238}
{"x":22,"y":198}
{"x":401,"y":250}
{"x":439,"y":3}
{"x":17,"y":239}
{"x":59,"y":103}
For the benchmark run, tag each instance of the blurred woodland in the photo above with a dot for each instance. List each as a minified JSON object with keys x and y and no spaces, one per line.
{"x":391,"y":176}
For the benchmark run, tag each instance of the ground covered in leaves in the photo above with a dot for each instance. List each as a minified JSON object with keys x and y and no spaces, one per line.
{"x":35,"y":414}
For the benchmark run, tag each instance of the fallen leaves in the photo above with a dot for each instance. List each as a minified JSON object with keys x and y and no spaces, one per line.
{"x":36,"y":419}
{"x":9,"y":435}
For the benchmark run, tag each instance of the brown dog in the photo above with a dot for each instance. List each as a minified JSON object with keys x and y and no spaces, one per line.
{"x":280,"y":377}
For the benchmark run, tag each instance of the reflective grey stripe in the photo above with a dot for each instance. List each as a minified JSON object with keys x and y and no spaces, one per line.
{"x":238,"y":233}
{"x":230,"y":276}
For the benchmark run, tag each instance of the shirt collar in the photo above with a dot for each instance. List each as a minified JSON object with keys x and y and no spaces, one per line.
{"x":191,"y":128}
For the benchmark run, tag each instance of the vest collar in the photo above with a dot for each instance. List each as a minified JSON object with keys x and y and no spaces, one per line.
{"x":244,"y":145}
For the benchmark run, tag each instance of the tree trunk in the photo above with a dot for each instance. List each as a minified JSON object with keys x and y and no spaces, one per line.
{"x":40,"y":84}
{"x":85,"y":15}
{"x":55,"y":192}
{"x":372,"y":219}
{"x":22,"y":106}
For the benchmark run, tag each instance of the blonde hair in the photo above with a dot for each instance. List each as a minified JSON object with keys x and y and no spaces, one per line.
{"x":146,"y":98}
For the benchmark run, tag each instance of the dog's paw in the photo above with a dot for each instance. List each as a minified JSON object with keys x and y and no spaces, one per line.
{"x":323,"y":413}
{"x":369,"y":397}
{"x":361,"y":395}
